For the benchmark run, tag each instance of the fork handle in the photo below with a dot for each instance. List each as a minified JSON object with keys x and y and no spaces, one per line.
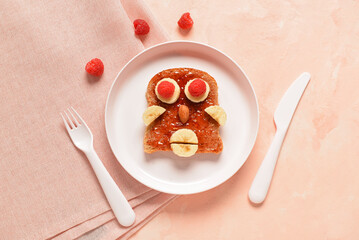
{"x":120,"y":206}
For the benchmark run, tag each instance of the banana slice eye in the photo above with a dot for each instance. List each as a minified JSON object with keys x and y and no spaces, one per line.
{"x":197,"y":90}
{"x":167,"y":90}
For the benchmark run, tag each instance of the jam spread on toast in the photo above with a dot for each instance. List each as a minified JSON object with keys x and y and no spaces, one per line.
{"x":204,"y":126}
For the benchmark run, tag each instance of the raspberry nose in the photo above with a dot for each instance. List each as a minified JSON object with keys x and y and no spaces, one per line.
{"x":183,"y":113}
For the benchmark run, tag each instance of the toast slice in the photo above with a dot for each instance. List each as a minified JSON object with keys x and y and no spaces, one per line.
{"x":158,"y":133}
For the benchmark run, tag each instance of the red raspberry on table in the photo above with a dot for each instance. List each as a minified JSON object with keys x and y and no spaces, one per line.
{"x":185,"y":21}
{"x":95,"y":67}
{"x":141,"y":27}
{"x":166,"y":89}
{"x":197,"y":87}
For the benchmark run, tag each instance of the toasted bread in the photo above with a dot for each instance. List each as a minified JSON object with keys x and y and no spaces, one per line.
{"x":158,"y":133}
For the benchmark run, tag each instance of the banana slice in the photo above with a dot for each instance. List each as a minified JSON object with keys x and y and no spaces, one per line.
{"x":199,"y":98}
{"x":217,"y":113}
{"x":184,"y":150}
{"x":175,"y":95}
{"x":184,"y":136}
{"x":184,"y":143}
{"x":152,"y":113}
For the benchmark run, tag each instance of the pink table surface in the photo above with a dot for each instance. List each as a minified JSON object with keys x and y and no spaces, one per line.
{"x":315,"y":189}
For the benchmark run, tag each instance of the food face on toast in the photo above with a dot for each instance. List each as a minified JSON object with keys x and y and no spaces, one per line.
{"x":183,"y":114}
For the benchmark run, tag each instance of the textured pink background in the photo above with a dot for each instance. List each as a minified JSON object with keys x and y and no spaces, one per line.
{"x":315,"y":189}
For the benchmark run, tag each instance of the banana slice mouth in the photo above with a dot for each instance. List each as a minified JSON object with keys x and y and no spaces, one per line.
{"x":184,"y":143}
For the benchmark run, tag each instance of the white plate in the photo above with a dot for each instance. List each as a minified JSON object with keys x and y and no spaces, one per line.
{"x":164,"y":171}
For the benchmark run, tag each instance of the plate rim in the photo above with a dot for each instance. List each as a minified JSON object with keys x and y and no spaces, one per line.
{"x":186,"y":42}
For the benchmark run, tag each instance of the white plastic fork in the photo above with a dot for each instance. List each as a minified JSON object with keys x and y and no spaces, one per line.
{"x":82,"y":138}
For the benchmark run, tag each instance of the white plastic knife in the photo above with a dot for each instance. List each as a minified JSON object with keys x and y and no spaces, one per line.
{"x":282,"y":118}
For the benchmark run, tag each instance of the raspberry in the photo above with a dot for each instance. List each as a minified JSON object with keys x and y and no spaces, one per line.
{"x":166,"y":89}
{"x":141,"y":27}
{"x":185,"y":21}
{"x":197,"y":87}
{"x":95,"y":67}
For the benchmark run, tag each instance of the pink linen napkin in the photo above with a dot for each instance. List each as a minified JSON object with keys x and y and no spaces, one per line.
{"x":47,"y":187}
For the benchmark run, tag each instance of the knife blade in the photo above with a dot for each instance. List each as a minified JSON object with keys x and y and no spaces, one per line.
{"x":287,"y":105}
{"x":282,"y":118}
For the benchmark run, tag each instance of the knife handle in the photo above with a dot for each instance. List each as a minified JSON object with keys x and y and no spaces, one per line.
{"x":261,"y":182}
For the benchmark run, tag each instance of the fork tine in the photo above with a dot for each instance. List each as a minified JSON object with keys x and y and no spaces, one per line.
{"x":65,"y":122}
{"x":77,"y":122}
{"x":79,"y":117}
{"x":71,"y":123}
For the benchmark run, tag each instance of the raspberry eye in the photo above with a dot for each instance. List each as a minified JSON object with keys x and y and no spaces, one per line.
{"x":166,"y":89}
{"x":197,"y":87}
{"x":197,"y":90}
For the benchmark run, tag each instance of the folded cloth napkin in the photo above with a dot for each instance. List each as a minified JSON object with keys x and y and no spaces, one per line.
{"x":47,"y":187}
